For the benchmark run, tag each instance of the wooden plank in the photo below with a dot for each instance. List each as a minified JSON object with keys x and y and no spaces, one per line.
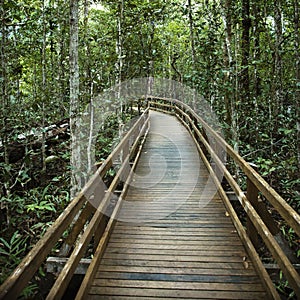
{"x":130,"y":228}
{"x":178,"y":271}
{"x":174,"y":293}
{"x":175,"y":245}
{"x":176,"y":264}
{"x":179,"y":285}
{"x":109,"y":297}
{"x":54,"y":265}
{"x":173,"y":240}
{"x":227,"y":252}
{"x":176,"y":258}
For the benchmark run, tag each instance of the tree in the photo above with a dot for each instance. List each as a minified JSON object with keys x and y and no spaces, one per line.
{"x":191,"y":25}
{"x":4,"y":91}
{"x":297,"y":74}
{"x":76,"y":180}
{"x":245,"y":52}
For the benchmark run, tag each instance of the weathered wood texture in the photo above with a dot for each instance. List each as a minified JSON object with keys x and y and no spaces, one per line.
{"x":174,"y":237}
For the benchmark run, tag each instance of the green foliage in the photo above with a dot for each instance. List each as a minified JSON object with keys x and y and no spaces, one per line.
{"x":265,"y":165}
{"x":30,"y":291}
{"x":40,"y":207}
{"x":11,"y":253}
{"x":12,"y":249}
{"x":283,"y":287}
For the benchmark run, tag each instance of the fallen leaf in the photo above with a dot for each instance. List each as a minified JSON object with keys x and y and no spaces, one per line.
{"x":246,"y":264}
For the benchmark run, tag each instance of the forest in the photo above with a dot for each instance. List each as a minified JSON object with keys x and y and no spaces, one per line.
{"x":242,"y":56}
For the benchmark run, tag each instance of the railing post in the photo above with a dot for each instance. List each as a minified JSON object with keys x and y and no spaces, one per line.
{"x":252,"y":196}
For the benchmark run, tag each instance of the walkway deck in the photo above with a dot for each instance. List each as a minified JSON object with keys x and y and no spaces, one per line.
{"x":174,"y":238}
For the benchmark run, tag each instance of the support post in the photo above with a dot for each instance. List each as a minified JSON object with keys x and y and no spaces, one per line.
{"x":252,"y":196}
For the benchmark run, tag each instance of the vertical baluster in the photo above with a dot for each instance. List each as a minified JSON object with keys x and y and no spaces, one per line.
{"x":252,"y":196}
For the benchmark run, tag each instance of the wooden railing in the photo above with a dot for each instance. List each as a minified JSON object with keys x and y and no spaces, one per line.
{"x":84,"y":218}
{"x":259,"y":220}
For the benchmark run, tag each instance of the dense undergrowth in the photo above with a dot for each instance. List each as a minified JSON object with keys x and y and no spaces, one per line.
{"x":37,"y":198}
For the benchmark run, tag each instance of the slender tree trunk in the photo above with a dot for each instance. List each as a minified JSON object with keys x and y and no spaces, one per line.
{"x":5,"y":110}
{"x":278,"y":56}
{"x":245,"y":49}
{"x":44,"y":92}
{"x":297,"y":74}
{"x":277,"y":103}
{"x":235,"y":107}
{"x":256,"y":58}
{"x":228,"y":96}
{"x":88,"y":92}
{"x":4,"y":91}
{"x":87,"y":65}
{"x":76,"y":181}
{"x":62,"y":72}
{"x":119,"y":50}
{"x":192,"y":38}
{"x":120,"y":41}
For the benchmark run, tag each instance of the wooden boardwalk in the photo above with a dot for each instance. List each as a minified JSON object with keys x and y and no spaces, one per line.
{"x":171,"y":233}
{"x":174,"y":238}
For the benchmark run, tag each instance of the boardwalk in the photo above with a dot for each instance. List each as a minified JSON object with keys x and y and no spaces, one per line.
{"x":175,"y":238}
{"x":171,"y":233}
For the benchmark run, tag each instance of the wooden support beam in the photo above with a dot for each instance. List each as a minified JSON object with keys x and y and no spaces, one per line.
{"x":54,"y":265}
{"x":252,"y":196}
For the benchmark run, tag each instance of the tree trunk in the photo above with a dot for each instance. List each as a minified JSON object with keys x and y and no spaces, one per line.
{"x":88,"y":80}
{"x":4,"y":92}
{"x":228,"y":96}
{"x":120,"y":41}
{"x":120,"y":64}
{"x":277,"y":103}
{"x":192,"y":39}
{"x":245,"y":49}
{"x":278,"y":57}
{"x":62,"y":72}
{"x":76,"y":180}
{"x":44,"y":91}
{"x":297,"y":74}
{"x":256,"y":59}
{"x":235,"y":107}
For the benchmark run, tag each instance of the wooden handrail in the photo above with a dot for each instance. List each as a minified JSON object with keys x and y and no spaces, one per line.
{"x":266,"y":280}
{"x":92,"y":269}
{"x":188,"y":117}
{"x":24,"y":272}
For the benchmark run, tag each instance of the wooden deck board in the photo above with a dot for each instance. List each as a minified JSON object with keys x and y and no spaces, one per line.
{"x":168,"y":245}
